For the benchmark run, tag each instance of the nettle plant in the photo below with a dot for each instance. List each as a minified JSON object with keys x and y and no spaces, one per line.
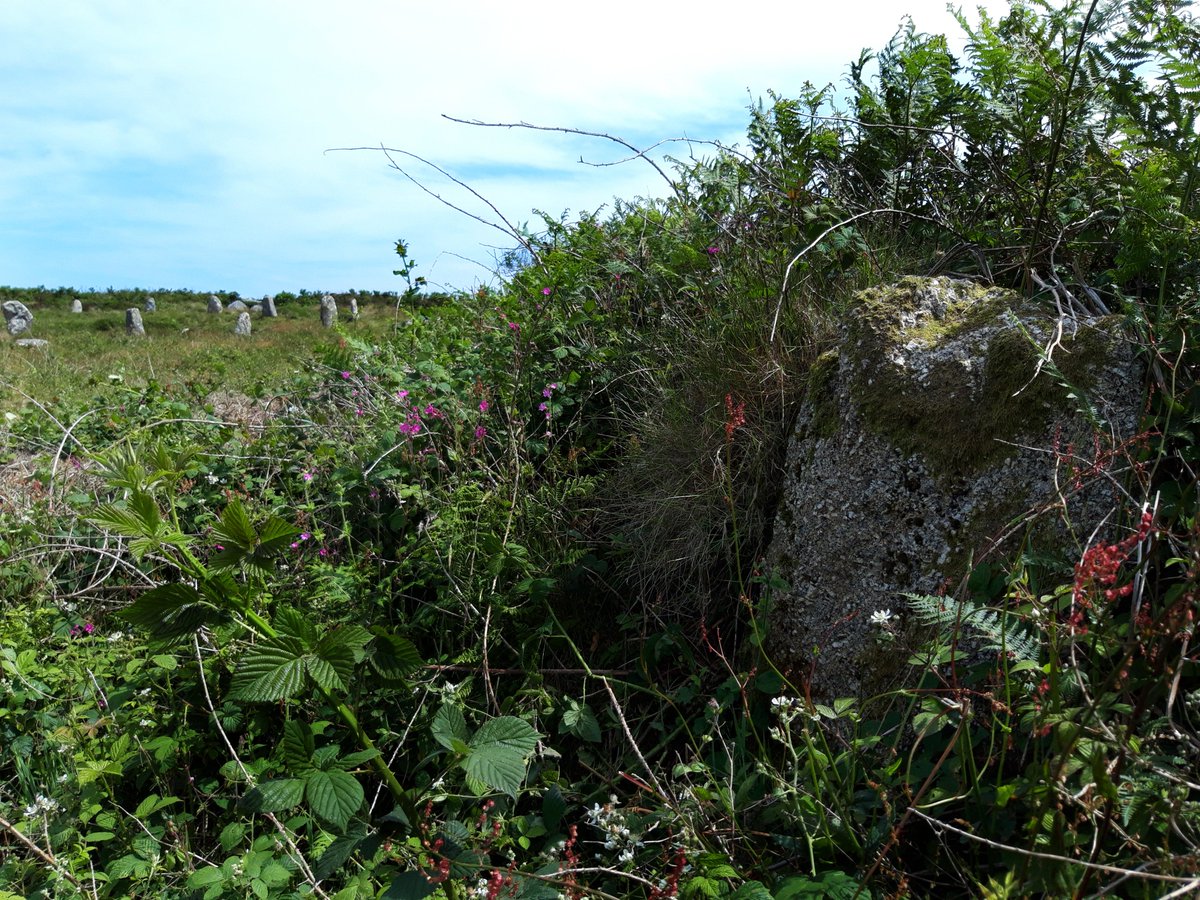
{"x":223,"y":598}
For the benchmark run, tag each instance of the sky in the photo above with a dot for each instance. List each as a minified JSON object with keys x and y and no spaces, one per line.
{"x":209,"y":146}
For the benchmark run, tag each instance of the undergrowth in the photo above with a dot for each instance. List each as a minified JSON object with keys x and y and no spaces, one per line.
{"x":471,"y":601}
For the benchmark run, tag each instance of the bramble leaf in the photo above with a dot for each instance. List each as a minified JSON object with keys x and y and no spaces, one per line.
{"x":448,"y":726}
{"x":498,"y":752}
{"x":274,"y":795}
{"x":272,"y":670}
{"x":334,"y":795}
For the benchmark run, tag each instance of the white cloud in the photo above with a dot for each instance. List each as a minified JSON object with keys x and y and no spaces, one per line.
{"x":199,"y":131}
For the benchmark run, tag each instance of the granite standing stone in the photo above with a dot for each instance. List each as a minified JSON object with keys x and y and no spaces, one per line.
{"x":237,"y":306}
{"x":268,"y":308}
{"x":214,"y":304}
{"x":242,"y":327}
{"x":17,"y":317}
{"x":353,"y":308}
{"x":329,"y":311}
{"x":76,"y":305}
{"x":930,"y":430}
{"x":133,"y":322}
{"x":151,"y":305}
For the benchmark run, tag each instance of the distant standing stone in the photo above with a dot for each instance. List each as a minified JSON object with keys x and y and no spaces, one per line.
{"x":268,"y":308}
{"x":243,"y":323}
{"x":76,"y":305}
{"x":353,"y":308}
{"x":151,"y":306}
{"x":328,"y":311}
{"x":214,"y":304}
{"x":17,"y":317}
{"x":237,"y":306}
{"x":133,"y":322}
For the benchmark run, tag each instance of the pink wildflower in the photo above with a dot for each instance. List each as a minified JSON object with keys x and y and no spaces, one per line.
{"x":345,"y":376}
{"x":546,"y":291}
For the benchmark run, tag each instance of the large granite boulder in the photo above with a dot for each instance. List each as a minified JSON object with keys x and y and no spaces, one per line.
{"x":924,"y":442}
{"x":17,"y":317}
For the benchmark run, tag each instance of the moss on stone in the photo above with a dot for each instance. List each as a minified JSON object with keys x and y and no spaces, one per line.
{"x":821,"y":394}
{"x":975,"y":394}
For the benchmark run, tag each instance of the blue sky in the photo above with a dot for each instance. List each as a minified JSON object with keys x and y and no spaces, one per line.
{"x":155,"y":144}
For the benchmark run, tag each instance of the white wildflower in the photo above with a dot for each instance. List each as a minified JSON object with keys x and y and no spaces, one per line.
{"x":881,"y":617}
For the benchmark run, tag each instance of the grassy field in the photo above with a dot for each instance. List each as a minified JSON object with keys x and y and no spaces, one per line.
{"x":184,"y":348}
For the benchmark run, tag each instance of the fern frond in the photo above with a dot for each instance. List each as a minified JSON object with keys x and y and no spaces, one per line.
{"x":994,"y":630}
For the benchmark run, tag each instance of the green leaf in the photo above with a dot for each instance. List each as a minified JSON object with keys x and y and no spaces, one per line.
{"x":274,"y":795}
{"x":339,"y":851}
{"x":335,"y":796}
{"x":449,"y":725}
{"x":204,"y":877}
{"x":170,"y":611}
{"x":409,"y":886}
{"x":272,"y":670}
{"x":297,"y":745}
{"x":231,"y":835}
{"x":554,"y":805}
{"x":332,"y":662}
{"x":326,"y":757}
{"x":353,"y":760}
{"x":235,"y":528}
{"x":751,"y":890}
{"x":579,"y":720}
{"x":293,"y":623}
{"x":152,"y":804}
{"x":274,"y":536}
{"x":392,"y":657}
{"x":498,"y":752}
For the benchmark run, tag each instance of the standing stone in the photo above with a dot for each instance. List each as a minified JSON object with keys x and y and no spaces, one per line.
{"x":328,"y":311}
{"x":151,"y":306}
{"x":76,"y":305}
{"x":237,"y":306}
{"x":214,"y":304}
{"x":353,"y":308}
{"x":133,"y":322}
{"x":17,"y":317}
{"x":242,"y":327}
{"x":268,"y":307}
{"x":921,"y":440}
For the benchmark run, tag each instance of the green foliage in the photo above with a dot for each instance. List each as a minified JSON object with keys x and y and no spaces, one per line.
{"x":479,"y":608}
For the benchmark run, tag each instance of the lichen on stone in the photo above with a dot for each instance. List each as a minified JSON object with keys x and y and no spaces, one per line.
{"x":921,"y":440}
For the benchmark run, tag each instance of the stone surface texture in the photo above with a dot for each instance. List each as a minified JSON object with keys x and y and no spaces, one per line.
{"x":133,"y":322}
{"x":237,"y":306}
{"x":76,"y":305}
{"x":268,"y":308}
{"x":911,"y":457}
{"x":329,"y":311}
{"x":17,"y":317}
{"x":214,"y":304}
{"x":151,"y":304}
{"x":242,"y":326}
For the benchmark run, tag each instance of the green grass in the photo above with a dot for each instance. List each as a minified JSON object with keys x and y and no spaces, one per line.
{"x":184,"y":346}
